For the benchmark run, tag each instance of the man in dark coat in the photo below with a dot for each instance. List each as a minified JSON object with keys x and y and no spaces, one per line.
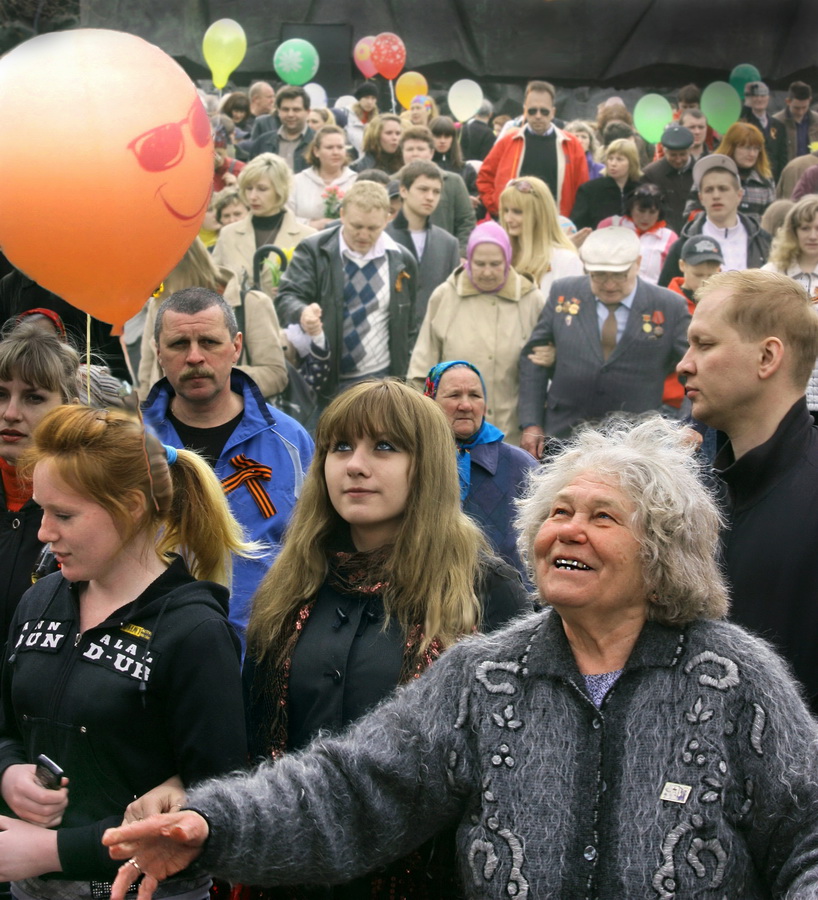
{"x":436,"y":251}
{"x":615,"y":339}
{"x":673,"y":173}
{"x":753,"y":344}
{"x":756,"y":101}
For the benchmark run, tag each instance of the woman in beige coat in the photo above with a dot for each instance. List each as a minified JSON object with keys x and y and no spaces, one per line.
{"x":484,"y":312}
{"x":265,"y":184}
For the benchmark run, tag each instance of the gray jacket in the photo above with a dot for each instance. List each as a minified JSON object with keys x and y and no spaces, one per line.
{"x":584,"y":386}
{"x":551,"y":796}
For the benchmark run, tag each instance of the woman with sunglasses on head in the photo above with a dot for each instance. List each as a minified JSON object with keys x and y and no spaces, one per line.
{"x":605,"y":196}
{"x":121,"y":668}
{"x":540,"y":248}
{"x":484,"y":312}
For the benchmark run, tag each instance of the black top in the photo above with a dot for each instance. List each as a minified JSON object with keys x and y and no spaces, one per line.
{"x":540,"y":158}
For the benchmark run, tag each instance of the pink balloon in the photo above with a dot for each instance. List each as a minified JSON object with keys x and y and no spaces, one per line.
{"x":389,"y":55}
{"x":362,"y":54}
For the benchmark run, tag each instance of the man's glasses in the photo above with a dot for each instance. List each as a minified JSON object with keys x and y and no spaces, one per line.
{"x":616,"y":277}
{"x":533,"y":110}
{"x":164,"y":146}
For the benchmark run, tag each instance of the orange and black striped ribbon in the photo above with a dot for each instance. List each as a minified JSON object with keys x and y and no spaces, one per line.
{"x":251,"y":473}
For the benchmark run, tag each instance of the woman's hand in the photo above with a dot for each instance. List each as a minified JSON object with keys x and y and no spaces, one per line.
{"x":26,"y":851}
{"x":159,"y":846}
{"x":29,"y":799}
{"x":164,"y":798}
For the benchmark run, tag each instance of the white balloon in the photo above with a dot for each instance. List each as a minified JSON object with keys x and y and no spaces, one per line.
{"x":465,"y":97}
{"x":347,"y":101}
{"x":318,"y":96}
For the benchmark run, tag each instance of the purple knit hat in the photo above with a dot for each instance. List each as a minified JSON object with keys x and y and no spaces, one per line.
{"x":489,"y":233}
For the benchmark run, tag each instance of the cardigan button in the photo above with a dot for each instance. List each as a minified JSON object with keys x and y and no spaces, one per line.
{"x":590,"y":853}
{"x":596,"y":723}
{"x":15,"y":523}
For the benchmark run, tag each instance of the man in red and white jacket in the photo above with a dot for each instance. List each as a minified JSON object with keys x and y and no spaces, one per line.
{"x":539,"y":149}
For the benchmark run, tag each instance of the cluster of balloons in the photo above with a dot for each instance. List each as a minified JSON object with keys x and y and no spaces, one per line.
{"x":382,"y":55}
{"x":139,"y":145}
{"x":721,"y":102}
{"x":225,"y":44}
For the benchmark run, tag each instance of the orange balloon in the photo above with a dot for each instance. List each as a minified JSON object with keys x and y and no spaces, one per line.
{"x":115,"y":177}
{"x":409,"y":86}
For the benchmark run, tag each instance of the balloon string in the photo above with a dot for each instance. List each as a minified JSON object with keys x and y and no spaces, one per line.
{"x":88,"y":356}
{"x":392,"y":92}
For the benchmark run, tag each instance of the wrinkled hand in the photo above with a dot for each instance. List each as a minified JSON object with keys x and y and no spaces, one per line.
{"x":161,"y":846}
{"x":311,"y":319}
{"x":533,"y":440}
{"x":543,"y":355}
{"x":578,"y":239}
{"x":29,"y":799}
{"x":26,"y":850}
{"x":166,"y":797}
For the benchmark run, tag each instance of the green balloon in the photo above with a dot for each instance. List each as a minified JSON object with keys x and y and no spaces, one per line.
{"x":296,"y":61}
{"x":721,"y":104}
{"x":743,"y":74}
{"x":651,"y":115}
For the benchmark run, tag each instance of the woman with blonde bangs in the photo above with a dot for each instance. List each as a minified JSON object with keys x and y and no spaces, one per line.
{"x":540,"y":247}
{"x":381,"y":145}
{"x":744,"y":144}
{"x":265,"y":184}
{"x":794,"y":252}
{"x":123,"y":628}
{"x":605,"y":196}
{"x":380,"y":571}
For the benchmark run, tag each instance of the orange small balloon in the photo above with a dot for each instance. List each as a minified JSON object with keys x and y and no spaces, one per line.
{"x":116,"y":175}
{"x":409,"y":86}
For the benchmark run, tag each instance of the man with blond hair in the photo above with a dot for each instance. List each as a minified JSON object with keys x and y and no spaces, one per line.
{"x":362,"y":283}
{"x":753,"y":345}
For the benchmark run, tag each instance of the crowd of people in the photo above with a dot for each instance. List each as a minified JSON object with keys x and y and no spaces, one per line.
{"x":415,"y":540}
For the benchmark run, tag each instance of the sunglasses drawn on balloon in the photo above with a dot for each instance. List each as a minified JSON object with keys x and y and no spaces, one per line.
{"x":163,"y":147}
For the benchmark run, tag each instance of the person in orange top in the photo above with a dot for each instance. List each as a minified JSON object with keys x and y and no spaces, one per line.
{"x":540,"y":149}
{"x":701,"y":259}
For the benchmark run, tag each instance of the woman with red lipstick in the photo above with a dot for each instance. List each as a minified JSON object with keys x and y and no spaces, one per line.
{"x":38,"y":371}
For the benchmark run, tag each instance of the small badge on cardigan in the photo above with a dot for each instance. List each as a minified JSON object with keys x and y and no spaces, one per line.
{"x":675,"y":793}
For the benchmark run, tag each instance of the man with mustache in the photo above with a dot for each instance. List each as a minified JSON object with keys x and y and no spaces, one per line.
{"x":205,"y":403}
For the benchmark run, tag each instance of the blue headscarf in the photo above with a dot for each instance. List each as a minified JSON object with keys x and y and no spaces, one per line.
{"x":485,"y":434}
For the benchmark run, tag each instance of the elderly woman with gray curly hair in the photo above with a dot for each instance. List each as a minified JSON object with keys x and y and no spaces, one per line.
{"x":625,"y":742}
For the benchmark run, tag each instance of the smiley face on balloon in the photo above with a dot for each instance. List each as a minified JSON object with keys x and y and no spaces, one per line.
{"x":125,"y":141}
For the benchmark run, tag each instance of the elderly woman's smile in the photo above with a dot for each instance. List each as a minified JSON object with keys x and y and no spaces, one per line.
{"x":586,"y":553}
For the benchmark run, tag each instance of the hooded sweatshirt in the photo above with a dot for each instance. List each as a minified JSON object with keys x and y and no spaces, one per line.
{"x":153,"y":691}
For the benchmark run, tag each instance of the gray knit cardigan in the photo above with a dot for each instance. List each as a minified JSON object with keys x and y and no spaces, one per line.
{"x":697,"y":778}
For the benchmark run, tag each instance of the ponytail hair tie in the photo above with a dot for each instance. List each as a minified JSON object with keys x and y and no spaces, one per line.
{"x":170,"y":453}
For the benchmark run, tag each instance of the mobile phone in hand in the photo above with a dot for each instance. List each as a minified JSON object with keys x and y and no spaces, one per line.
{"x":48,"y":773}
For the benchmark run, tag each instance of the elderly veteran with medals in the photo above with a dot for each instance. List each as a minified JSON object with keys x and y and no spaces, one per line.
{"x":624,"y":743}
{"x":604,"y":343}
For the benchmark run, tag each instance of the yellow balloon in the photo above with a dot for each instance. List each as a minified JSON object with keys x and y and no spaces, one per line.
{"x":408,"y":86}
{"x":224,"y":45}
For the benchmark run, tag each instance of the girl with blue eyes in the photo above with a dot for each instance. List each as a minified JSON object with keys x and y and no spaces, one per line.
{"x":380,"y":571}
